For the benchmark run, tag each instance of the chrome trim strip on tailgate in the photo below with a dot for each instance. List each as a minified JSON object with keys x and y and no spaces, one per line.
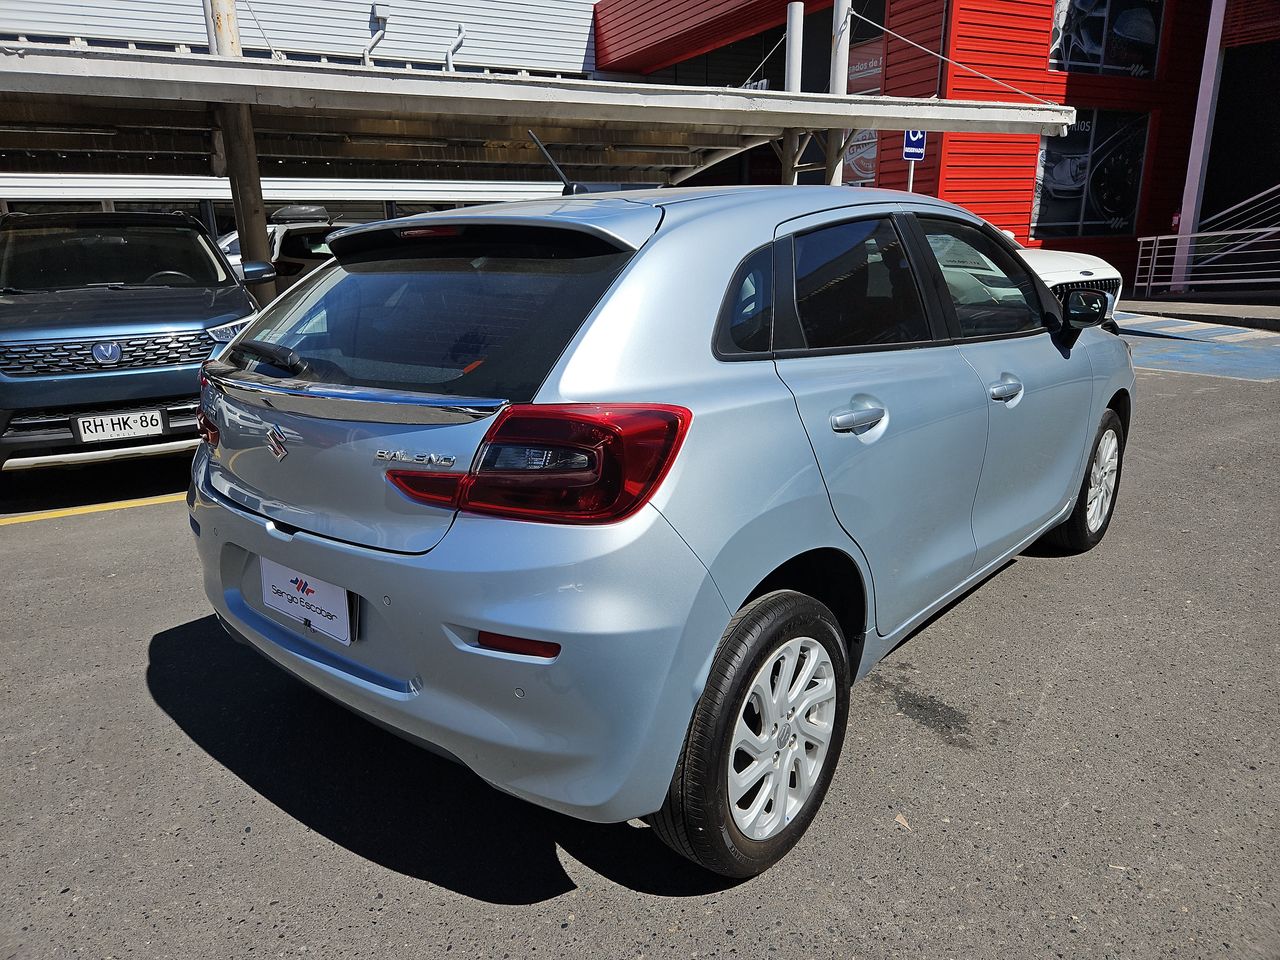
{"x":336,"y":402}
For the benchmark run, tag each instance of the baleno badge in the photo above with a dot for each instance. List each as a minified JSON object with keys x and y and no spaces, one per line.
{"x":425,"y":459}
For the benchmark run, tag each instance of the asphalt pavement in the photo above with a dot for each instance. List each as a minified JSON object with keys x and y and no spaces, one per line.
{"x":1078,"y":759}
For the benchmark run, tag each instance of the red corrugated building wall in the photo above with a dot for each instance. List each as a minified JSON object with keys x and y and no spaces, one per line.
{"x":993,"y":175}
{"x":643,"y":36}
{"x":1250,"y":21}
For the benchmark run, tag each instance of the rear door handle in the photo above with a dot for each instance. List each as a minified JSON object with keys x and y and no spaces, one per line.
{"x":861,"y":419}
{"x":1005,"y":390}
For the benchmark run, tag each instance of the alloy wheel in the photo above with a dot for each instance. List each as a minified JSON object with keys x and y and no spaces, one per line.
{"x":780,"y":738}
{"x":1102,"y":480}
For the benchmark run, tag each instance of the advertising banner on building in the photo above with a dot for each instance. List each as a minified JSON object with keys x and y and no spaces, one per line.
{"x":1089,"y":181}
{"x":1106,"y":36}
{"x":866,"y":70}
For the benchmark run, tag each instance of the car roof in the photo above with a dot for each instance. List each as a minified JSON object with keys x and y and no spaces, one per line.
{"x":88,"y":219}
{"x":628,"y":215}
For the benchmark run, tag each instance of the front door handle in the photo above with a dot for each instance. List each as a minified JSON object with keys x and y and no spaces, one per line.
{"x":1005,"y":390}
{"x":861,"y":419}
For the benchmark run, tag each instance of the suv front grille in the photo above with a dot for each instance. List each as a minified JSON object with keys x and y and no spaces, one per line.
{"x":1111,"y":287}
{"x":34,"y":358}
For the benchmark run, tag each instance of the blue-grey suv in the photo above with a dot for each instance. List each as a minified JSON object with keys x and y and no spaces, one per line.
{"x":611,"y":498}
{"x":104,"y":321}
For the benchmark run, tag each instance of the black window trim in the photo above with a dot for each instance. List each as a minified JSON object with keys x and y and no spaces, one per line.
{"x":1051,"y":322}
{"x":786,"y":308}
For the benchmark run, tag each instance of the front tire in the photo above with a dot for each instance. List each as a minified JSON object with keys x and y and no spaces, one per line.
{"x":765,"y":738}
{"x":1096,"y":501}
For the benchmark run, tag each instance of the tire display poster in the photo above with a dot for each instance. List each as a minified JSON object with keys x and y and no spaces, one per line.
{"x":866,"y":68}
{"x":1089,"y":181}
{"x":1106,"y":36}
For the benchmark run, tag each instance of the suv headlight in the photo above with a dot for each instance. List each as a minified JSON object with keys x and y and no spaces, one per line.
{"x":226,"y":332}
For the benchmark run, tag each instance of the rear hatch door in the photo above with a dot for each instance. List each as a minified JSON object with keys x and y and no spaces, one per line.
{"x":395,"y":356}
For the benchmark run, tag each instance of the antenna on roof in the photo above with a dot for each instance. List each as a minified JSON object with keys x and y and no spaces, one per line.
{"x":568,"y":184}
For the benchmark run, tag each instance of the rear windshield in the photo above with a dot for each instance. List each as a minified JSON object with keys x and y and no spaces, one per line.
{"x":484,"y":312}
{"x":56,"y":258}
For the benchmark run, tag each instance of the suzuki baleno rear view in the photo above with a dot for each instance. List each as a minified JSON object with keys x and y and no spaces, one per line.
{"x":612,"y":498}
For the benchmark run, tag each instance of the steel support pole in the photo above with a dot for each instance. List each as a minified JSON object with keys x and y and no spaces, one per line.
{"x":840,"y":26}
{"x":236,"y":123}
{"x":1201,"y":135}
{"x":223,"y":27}
{"x":795,"y":50}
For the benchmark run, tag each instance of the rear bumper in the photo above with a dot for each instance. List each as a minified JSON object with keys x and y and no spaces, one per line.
{"x":594,"y":734}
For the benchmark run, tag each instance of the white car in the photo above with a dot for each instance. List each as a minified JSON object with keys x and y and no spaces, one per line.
{"x":1063,"y":271}
{"x":297,"y":236}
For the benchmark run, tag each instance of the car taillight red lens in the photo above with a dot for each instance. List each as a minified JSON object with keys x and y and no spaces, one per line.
{"x":528,"y":648}
{"x":207,"y":429}
{"x":437,"y":488}
{"x":561,"y":463}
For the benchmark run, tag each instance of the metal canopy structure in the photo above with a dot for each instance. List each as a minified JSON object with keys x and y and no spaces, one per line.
{"x":122,"y":102}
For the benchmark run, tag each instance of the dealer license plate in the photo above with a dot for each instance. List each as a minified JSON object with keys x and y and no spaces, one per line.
{"x":121,"y":426}
{"x":320,"y":606}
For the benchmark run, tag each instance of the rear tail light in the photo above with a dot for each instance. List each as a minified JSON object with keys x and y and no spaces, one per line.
{"x":207,"y":429}
{"x":561,"y":463}
{"x":529,"y":648}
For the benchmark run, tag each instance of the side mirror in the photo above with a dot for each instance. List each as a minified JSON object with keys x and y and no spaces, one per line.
{"x":256,"y":271}
{"x":1086,"y":308}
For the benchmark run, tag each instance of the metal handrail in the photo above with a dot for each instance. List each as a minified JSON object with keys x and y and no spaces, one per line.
{"x":1244,"y":259}
{"x":1270,"y":194}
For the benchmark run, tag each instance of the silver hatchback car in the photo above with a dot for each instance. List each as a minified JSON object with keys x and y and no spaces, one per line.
{"x":611,"y":498}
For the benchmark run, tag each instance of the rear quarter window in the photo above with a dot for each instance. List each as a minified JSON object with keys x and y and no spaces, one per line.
{"x":482,"y":312}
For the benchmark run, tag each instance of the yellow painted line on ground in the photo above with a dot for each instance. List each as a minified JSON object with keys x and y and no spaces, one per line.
{"x":92,"y":508}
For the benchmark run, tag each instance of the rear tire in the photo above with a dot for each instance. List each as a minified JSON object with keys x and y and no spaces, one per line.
{"x":1096,"y":501}
{"x":764,"y":740}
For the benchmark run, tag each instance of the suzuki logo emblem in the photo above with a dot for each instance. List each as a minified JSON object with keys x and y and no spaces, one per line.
{"x":107,"y":352}
{"x":275,"y":442}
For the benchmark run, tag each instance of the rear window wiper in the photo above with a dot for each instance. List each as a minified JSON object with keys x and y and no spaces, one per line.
{"x":278,"y":355}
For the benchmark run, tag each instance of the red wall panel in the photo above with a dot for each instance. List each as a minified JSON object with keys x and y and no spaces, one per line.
{"x":1250,"y":21}
{"x":641,"y":36}
{"x":994,"y":176}
{"x":910,"y":72}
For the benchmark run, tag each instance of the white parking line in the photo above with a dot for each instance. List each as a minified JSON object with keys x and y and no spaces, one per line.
{"x":1249,"y":335}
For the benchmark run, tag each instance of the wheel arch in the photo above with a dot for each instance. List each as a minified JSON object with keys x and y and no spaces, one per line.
{"x":1122,"y":403}
{"x":832,"y":577}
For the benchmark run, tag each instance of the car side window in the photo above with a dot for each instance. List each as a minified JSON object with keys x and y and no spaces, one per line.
{"x":854,"y":287}
{"x":992,"y":294}
{"x":747,"y":314}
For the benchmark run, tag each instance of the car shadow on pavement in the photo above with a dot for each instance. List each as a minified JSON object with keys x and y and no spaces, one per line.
{"x":382,"y":798}
{"x":32,"y":490}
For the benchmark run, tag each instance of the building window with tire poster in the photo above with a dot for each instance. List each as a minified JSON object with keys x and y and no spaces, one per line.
{"x":1106,"y":36}
{"x":1088,"y":182}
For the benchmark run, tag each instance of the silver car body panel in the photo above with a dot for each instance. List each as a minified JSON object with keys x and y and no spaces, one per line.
{"x":638,"y":606}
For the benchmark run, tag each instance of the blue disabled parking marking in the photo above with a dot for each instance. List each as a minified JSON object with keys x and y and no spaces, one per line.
{"x":1163,"y":343}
